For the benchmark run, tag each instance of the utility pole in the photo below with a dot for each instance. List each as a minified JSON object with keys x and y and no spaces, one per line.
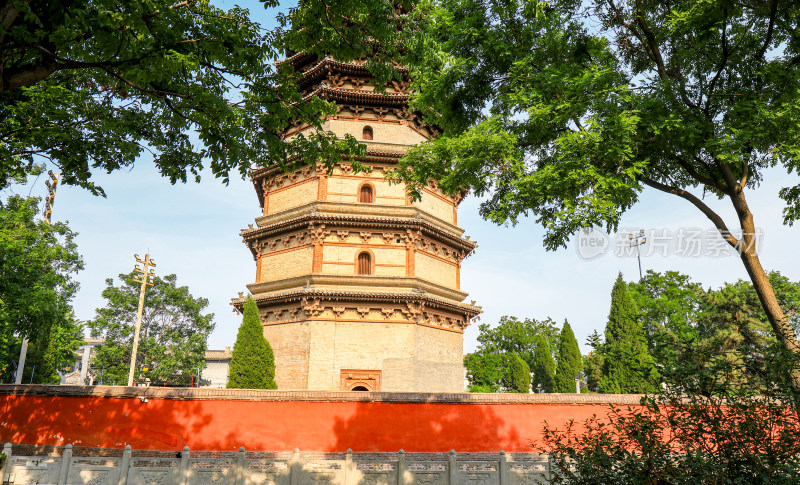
{"x":637,"y":240}
{"x":147,"y":262}
{"x":48,"y":211}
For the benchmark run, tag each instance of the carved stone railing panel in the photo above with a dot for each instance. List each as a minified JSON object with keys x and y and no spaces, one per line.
{"x":264,"y":472}
{"x":31,"y":469}
{"x":205,"y":471}
{"x":94,"y":470}
{"x":529,"y":473}
{"x":322,"y":473}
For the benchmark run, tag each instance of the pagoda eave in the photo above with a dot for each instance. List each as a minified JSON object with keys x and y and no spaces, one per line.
{"x":420,"y":298}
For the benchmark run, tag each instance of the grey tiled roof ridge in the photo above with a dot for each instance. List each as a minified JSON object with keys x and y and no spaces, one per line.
{"x":344,"y":94}
{"x":187,"y":393}
{"x":344,"y":67}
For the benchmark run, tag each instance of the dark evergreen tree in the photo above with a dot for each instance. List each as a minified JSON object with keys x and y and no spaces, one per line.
{"x":569,"y":361}
{"x":519,"y":375}
{"x":593,"y":362}
{"x":544,"y":368}
{"x":252,"y":363}
{"x":627,"y":364}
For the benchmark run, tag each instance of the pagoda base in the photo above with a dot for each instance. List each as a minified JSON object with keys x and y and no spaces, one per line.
{"x":367,"y":356}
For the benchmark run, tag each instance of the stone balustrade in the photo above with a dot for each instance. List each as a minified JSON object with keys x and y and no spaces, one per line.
{"x":26,"y":464}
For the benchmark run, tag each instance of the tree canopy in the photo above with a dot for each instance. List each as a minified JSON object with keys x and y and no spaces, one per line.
{"x":568,"y":110}
{"x":488,"y":368}
{"x":173,"y":336}
{"x":518,"y":336}
{"x":721,"y":333}
{"x":92,"y":84}
{"x":37,"y":264}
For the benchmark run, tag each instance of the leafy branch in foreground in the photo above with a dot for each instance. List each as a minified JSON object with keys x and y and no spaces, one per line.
{"x":93,"y":84}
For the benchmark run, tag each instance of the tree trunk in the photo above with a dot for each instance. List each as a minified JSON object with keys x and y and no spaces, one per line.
{"x":777,"y":319}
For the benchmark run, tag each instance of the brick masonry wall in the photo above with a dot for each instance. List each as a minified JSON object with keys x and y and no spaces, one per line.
{"x":436,"y":270}
{"x":225,"y":419}
{"x":387,"y":133}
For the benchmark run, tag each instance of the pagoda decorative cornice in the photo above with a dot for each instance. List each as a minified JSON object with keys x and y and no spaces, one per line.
{"x":400,"y":230}
{"x":355,"y":282}
{"x":416,"y":306}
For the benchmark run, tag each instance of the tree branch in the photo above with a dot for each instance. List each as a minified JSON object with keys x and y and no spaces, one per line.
{"x":773,"y":10}
{"x":706,"y":210}
{"x":18,"y":78}
{"x":700,"y":178}
{"x":723,"y":62}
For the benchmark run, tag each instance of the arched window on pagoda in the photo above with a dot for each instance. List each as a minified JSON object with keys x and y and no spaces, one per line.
{"x":364,"y":263}
{"x":366,"y":194}
{"x":367,"y":133}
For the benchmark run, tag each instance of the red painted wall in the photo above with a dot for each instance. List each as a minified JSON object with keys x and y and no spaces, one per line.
{"x":168,"y":424}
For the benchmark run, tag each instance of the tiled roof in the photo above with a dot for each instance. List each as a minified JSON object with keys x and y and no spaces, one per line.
{"x":218,"y":354}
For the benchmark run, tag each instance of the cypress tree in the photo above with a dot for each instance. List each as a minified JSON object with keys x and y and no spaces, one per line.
{"x":519,"y":375}
{"x":544,"y":367}
{"x":569,"y":360}
{"x":252,"y":363}
{"x":627,"y":363}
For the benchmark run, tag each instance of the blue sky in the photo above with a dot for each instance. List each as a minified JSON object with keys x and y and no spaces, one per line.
{"x":192,"y":230}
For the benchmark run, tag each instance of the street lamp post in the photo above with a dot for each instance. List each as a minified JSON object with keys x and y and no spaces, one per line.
{"x":637,"y":240}
{"x":145,"y":273}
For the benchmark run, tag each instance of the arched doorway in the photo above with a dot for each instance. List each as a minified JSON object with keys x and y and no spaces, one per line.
{"x":360,"y":380}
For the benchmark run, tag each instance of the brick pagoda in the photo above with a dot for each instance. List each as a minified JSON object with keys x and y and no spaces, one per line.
{"x":358,"y":287}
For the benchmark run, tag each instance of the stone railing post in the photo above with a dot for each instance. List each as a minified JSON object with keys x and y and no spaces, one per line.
{"x":183,"y":479}
{"x":4,"y":469}
{"x":124,"y":465}
{"x":240,"y":464}
{"x":402,"y":469}
{"x":502,"y":470}
{"x":453,"y":468}
{"x":294,"y":468}
{"x":348,"y":465}
{"x":63,"y":471}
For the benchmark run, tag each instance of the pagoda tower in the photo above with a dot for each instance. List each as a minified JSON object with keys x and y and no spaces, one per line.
{"x":357,"y":285}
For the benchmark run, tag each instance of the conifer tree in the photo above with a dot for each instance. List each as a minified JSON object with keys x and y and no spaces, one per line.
{"x":627,"y":363}
{"x":569,"y":360}
{"x":519,"y":375}
{"x":252,"y":363}
{"x":544,"y":368}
